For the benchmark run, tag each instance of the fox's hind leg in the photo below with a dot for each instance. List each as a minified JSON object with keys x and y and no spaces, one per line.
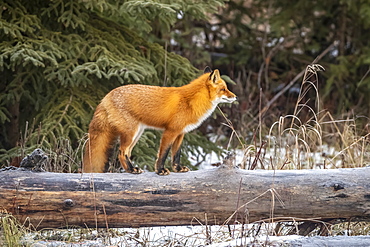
{"x":128,"y":140}
{"x":176,"y":153}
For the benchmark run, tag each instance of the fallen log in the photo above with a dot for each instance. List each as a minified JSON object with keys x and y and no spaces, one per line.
{"x":221,"y":195}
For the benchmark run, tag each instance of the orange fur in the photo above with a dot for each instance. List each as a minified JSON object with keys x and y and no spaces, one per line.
{"x":127,"y":111}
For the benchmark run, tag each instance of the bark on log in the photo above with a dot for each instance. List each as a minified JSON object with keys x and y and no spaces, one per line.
{"x":126,"y":200}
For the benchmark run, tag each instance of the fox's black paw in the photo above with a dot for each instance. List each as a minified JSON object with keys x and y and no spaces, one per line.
{"x":163,"y":172}
{"x":136,"y":170}
{"x":178,"y":168}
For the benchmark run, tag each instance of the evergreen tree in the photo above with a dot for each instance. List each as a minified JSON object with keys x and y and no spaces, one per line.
{"x":59,"y":58}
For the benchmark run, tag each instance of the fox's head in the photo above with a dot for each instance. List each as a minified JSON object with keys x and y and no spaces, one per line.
{"x":219,"y":91}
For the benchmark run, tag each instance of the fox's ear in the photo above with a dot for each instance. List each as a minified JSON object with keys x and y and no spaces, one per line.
{"x":215,"y":76}
{"x":207,"y":70}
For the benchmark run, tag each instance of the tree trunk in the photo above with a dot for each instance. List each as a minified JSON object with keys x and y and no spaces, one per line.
{"x":216,"y":196}
{"x":12,"y":127}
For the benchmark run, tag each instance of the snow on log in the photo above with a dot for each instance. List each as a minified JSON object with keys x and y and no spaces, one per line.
{"x":221,"y":195}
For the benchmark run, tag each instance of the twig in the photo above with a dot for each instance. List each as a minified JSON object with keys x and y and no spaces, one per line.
{"x":237,"y":204}
{"x":295,"y":79}
{"x":165,"y":65}
{"x":230,"y":125}
{"x":65,"y":110}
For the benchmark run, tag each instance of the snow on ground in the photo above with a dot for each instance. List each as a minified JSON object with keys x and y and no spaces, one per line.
{"x":299,"y":241}
{"x":307,"y":160}
{"x":214,"y":236}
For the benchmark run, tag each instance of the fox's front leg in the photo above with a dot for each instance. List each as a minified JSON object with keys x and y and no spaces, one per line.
{"x":176,"y":153}
{"x":168,"y":140}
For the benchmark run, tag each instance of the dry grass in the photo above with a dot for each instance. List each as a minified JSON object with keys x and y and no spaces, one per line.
{"x":11,"y":231}
{"x":310,"y":138}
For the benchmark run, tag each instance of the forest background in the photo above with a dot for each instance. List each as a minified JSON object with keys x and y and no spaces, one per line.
{"x":59,"y":58}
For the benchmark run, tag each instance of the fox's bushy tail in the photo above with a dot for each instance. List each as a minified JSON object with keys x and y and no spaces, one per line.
{"x":100,"y":139}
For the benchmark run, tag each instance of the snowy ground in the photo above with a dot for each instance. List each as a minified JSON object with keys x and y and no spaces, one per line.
{"x":299,"y":241}
{"x":197,"y":236}
{"x":312,"y":160}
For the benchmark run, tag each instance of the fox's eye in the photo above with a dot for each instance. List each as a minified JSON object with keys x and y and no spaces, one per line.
{"x":223,"y":90}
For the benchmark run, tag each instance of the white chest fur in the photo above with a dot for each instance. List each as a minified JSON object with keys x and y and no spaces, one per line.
{"x":208,"y":113}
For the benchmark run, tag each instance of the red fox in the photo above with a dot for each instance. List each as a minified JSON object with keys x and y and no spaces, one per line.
{"x":128,"y":110}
